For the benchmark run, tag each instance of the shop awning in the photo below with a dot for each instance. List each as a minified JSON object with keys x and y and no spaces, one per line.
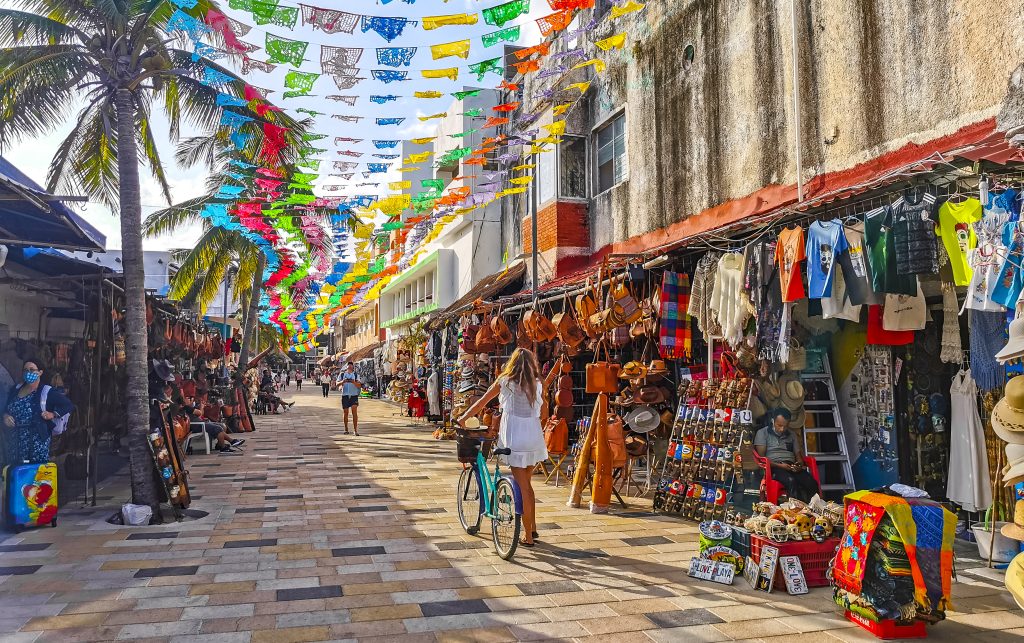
{"x":364,"y":352}
{"x":508,"y":281}
{"x":30,"y":216}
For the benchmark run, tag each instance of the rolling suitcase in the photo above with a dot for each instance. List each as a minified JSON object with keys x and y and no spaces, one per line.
{"x":29,"y":495}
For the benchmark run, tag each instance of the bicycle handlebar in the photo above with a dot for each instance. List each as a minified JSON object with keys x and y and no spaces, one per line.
{"x":503,"y":452}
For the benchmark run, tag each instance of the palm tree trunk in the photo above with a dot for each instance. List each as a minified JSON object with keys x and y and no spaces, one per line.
{"x":250,"y":323}
{"x":141,"y":462}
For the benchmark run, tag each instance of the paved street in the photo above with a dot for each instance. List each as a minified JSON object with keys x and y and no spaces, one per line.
{"x":313,"y":535}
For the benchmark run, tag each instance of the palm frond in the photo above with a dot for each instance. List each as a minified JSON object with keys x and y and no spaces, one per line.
{"x":168,"y":220}
{"x":198,"y":150}
{"x":37,"y":89}
{"x":24,"y":28}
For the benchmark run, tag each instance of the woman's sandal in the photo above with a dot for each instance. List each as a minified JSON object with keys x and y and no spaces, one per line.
{"x":526,"y":544}
{"x":535,"y":535}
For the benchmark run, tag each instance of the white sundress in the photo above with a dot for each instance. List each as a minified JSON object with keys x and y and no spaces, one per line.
{"x":968,"y":484}
{"x":520,"y":428}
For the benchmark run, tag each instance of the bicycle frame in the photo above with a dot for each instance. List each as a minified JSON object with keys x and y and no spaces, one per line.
{"x":488,"y":483}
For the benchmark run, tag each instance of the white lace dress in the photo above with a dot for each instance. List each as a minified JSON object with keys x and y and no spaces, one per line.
{"x":968,"y":484}
{"x":520,"y":426}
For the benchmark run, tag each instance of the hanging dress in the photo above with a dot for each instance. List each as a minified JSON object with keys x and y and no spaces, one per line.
{"x":968,"y":484}
{"x":520,"y":428}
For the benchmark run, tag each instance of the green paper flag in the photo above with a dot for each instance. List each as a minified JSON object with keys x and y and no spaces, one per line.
{"x":300,"y":82}
{"x":283,"y":50}
{"x":466,"y":93}
{"x":473,"y":112}
{"x":267,"y":12}
{"x":508,"y":34}
{"x":435,"y":184}
{"x":462,"y":134}
{"x":312,"y":137}
{"x":502,"y":13}
{"x":481,"y":68}
{"x":454,"y":155}
{"x":391,"y":225}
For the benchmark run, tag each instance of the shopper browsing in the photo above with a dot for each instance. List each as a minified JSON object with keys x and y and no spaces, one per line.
{"x":350,"y":386}
{"x":520,"y":396}
{"x":298,"y":380}
{"x":777,"y":443}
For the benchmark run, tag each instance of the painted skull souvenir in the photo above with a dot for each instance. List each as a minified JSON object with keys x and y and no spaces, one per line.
{"x":803,"y":523}
{"x":825,"y":524}
{"x":793,"y":532}
{"x":750,"y":524}
{"x":776,"y":530}
{"x":834,"y":512}
{"x":818,"y":533}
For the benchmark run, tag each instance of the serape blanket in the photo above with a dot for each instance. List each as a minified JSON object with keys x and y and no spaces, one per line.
{"x":675,"y":334}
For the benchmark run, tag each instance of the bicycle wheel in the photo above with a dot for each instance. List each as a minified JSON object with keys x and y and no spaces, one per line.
{"x":505,"y":523}
{"x":467,"y":497}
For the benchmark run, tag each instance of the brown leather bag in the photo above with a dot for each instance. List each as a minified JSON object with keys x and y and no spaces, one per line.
{"x":623,"y":296}
{"x":586,"y":306}
{"x":500,"y":330}
{"x":485,"y":340}
{"x":556,"y":435}
{"x":469,"y":338}
{"x":616,"y":441}
{"x":602,"y":375}
{"x":529,"y":323}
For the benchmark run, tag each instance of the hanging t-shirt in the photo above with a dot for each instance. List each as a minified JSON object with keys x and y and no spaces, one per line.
{"x":881,"y":245}
{"x":957,"y":233}
{"x":905,"y":312}
{"x":878,"y":335}
{"x":986,"y":260}
{"x":839,"y":305}
{"x":825,"y":242}
{"x":854,"y":264}
{"x":1009,"y":283}
{"x":789,"y":252}
{"x":913,"y":225}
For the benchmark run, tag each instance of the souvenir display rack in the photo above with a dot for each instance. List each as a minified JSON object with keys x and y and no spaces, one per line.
{"x":169,"y":465}
{"x":703,"y":459}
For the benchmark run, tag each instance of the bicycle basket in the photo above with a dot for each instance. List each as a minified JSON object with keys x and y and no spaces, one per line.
{"x":468,"y":441}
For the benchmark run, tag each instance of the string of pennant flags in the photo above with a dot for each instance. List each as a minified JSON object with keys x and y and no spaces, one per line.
{"x":272,"y":202}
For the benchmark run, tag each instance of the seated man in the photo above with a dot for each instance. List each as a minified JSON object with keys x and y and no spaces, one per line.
{"x":777,"y":443}
{"x":217,"y":432}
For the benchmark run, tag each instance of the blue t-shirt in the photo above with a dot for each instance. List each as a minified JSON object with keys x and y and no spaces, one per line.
{"x":348,"y":383}
{"x":1008,"y":285}
{"x":825,"y":242}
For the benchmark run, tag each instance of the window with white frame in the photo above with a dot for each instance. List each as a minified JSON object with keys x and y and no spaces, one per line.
{"x":611,"y":153}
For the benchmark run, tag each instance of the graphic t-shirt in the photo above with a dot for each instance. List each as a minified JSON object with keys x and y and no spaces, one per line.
{"x":1009,"y":283}
{"x":854,"y":264}
{"x":881,"y":244}
{"x":825,"y":242}
{"x":839,"y":305}
{"x":913,"y":224}
{"x":789,"y":252}
{"x":905,"y":312}
{"x":987,"y":259}
{"x":957,"y":233}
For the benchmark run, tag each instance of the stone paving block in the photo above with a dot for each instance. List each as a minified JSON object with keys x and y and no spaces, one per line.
{"x":292,"y":635}
{"x":303,"y":593}
{"x":65,"y":621}
{"x":148,"y":630}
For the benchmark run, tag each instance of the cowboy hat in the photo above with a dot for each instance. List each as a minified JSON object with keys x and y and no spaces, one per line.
{"x":651,"y":395}
{"x":643,"y":419}
{"x":668,"y":418}
{"x":1008,"y":414}
{"x":636,"y":444}
{"x":633,"y":371}
{"x":792,"y":394}
{"x":798,"y":419}
{"x":771,"y":391}
{"x":1015,"y":579}
{"x":1016,"y":530}
{"x":657,"y":367}
{"x":757,"y":407}
{"x":1015,"y":345}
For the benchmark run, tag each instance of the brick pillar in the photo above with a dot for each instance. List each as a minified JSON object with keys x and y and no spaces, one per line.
{"x":563,"y":238}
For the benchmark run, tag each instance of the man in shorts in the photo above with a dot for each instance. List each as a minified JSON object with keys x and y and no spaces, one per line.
{"x":350,"y":386}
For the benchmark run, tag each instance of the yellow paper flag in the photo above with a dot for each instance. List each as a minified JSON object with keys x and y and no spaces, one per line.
{"x":451,"y":73}
{"x":418,"y":158}
{"x":435,"y":22}
{"x":583,"y":87}
{"x":525,"y":166}
{"x":612,"y":42}
{"x":433,"y":116}
{"x":409,"y":169}
{"x":399,"y":185}
{"x":558,"y":110}
{"x":547,"y":139}
{"x":536,"y":149}
{"x":598,"y":64}
{"x":458,"y":48}
{"x":629,"y":7}
{"x":430,"y":94}
{"x":510,"y":191}
{"x":422,"y":141}
{"x":394,"y":204}
{"x":556,"y":128}
{"x":521,"y":180}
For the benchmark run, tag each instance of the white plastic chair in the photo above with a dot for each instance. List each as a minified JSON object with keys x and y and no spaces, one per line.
{"x":198,"y":430}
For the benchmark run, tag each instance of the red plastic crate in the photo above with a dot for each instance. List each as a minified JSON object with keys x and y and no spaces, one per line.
{"x":888,"y":630}
{"x":814,"y":557}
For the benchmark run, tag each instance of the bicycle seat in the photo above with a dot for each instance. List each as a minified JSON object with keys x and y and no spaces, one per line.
{"x":503,"y":452}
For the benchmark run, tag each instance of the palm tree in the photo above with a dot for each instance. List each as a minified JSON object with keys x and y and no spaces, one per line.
{"x":116,"y":57}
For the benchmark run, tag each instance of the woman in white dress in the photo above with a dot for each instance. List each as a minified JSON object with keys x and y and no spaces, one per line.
{"x":520,"y":395}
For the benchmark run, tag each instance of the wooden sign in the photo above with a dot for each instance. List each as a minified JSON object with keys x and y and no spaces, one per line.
{"x":793,"y":574}
{"x":712,"y":570}
{"x":766,"y":569}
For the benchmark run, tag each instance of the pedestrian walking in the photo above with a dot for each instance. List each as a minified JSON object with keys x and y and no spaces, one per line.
{"x":350,"y":385}
{"x":298,"y":379}
{"x":325,"y":382}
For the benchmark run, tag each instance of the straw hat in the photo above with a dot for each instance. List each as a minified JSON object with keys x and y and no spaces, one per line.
{"x":657,"y":367}
{"x":1015,"y":345}
{"x":798,"y":419}
{"x":757,"y":407}
{"x":643,"y":419}
{"x":1013,"y":471}
{"x":1015,"y":579}
{"x":1016,"y":530}
{"x":1008,"y":414}
{"x":793,"y":395}
{"x":771,"y":391}
{"x":633,"y":371}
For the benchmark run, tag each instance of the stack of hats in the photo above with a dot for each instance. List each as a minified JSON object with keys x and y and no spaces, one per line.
{"x":473,"y":380}
{"x":1008,"y":424}
{"x":1014,"y":579}
{"x":641,"y":398}
{"x":786,"y":392}
{"x":1014,"y":349}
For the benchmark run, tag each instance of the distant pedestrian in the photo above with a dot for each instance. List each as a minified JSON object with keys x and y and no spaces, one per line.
{"x":350,"y":387}
{"x":325,"y":382}
{"x":298,"y":379}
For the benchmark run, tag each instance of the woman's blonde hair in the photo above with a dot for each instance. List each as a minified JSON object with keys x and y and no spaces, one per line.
{"x":522,"y":368}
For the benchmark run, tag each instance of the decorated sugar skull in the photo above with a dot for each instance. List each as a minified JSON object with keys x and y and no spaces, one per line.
{"x":760,"y":525}
{"x":776,"y":530}
{"x":825,"y":524}
{"x":750,"y":524}
{"x":803,"y":524}
{"x":834,"y":512}
{"x":793,"y":531}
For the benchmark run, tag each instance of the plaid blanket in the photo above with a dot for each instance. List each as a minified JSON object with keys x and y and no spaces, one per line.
{"x":675,"y":334}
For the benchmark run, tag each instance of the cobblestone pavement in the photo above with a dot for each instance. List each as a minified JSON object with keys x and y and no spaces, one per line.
{"x":313,"y":535}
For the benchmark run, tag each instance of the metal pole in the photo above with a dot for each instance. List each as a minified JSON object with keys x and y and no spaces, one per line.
{"x":224,"y":330}
{"x":535,"y":278}
{"x":796,"y":108}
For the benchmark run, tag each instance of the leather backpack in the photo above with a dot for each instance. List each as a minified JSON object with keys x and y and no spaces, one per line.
{"x":500,"y":330}
{"x":602,"y":375}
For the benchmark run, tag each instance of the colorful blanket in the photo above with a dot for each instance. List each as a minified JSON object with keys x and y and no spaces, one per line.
{"x":675,"y":334}
{"x":926,"y":529}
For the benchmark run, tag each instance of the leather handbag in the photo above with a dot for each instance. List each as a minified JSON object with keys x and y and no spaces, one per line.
{"x":469,"y":338}
{"x":544,"y":330}
{"x":500,"y":330}
{"x":529,"y":322}
{"x":485,"y":341}
{"x":556,"y":435}
{"x":586,"y":306}
{"x":602,"y":375}
{"x":616,"y":441}
{"x":568,"y":331}
{"x":623,"y":296}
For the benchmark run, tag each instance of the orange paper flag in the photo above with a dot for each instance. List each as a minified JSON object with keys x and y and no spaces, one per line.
{"x":495,"y":121}
{"x":542,"y":49}
{"x":555,"y":22}
{"x":527,"y":66}
{"x":506,"y":107}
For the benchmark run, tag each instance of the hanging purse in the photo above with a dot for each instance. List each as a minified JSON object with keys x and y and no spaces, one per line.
{"x":485,"y":342}
{"x":500,"y":330}
{"x":556,"y":435}
{"x":623,"y":296}
{"x":602,"y":376}
{"x":568,"y":330}
{"x":616,"y":441}
{"x":586,"y":306}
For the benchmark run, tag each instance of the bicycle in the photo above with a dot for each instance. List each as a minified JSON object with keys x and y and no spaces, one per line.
{"x":502,"y":502}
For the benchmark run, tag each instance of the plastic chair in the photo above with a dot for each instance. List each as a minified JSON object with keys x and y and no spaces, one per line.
{"x":198,"y":430}
{"x":772,"y":488}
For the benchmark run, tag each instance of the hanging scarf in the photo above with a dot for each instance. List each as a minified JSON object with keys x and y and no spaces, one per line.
{"x":952,"y":351}
{"x":675,"y":333}
{"x":988,"y":336}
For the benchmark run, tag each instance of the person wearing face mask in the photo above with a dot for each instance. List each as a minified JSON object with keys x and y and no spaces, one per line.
{"x":27,"y":427}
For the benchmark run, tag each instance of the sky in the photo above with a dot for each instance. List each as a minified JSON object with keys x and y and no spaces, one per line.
{"x":34,"y":156}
